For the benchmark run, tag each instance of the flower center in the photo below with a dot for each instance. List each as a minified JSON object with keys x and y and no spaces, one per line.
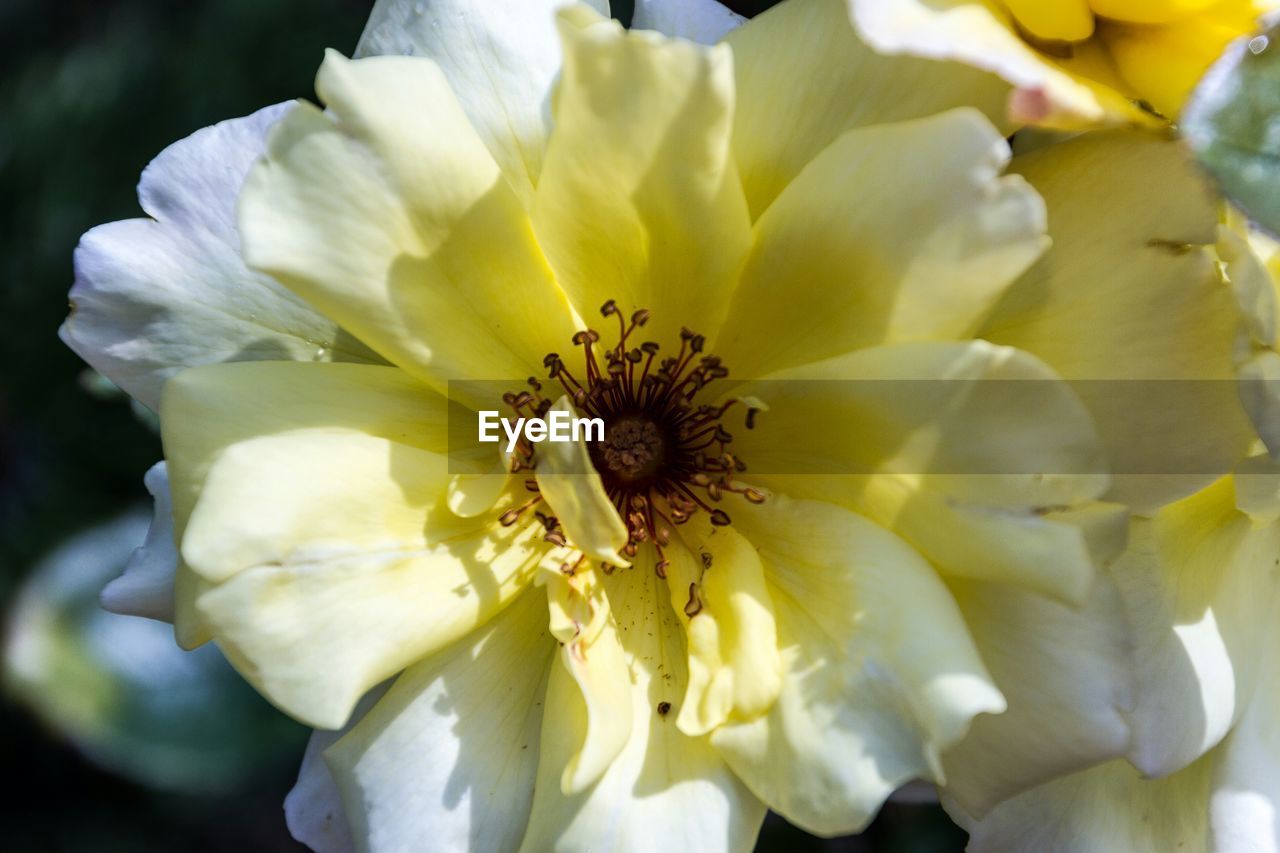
{"x":664,"y":456}
{"x":633,"y":450}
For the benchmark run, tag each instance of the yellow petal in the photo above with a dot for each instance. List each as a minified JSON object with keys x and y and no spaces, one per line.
{"x":863,"y":248}
{"x":718,"y":592}
{"x":1162,"y":64}
{"x":881,"y":674}
{"x":1155,"y":11}
{"x":501,"y":57}
{"x":573,"y":490}
{"x":981,"y":33}
{"x":342,"y":564}
{"x":253,"y":520}
{"x":591,"y":687}
{"x":639,"y":200}
{"x":388,"y":212}
{"x":1122,"y":303}
{"x":1060,"y":20}
{"x":804,"y":77}
{"x":665,"y":790}
{"x":978,"y":455}
{"x":206,"y":409}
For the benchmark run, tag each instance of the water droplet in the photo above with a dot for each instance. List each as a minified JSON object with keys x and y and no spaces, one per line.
{"x":408,"y":50}
{"x":1258,"y":44}
{"x":321,"y":353}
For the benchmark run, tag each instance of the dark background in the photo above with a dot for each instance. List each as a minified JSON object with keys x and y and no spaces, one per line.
{"x":90,"y":91}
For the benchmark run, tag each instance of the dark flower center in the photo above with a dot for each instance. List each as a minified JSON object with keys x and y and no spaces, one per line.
{"x":664,"y":456}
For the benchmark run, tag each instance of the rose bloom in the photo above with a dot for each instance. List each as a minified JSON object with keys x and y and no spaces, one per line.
{"x":647,"y":642}
{"x":1072,"y":63}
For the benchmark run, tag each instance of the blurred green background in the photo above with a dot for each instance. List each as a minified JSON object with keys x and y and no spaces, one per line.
{"x":111,"y":738}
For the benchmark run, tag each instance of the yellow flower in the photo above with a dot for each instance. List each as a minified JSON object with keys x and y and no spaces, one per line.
{"x":1072,"y":63}
{"x":1198,"y":586}
{"x":1191,"y":758}
{"x":545,"y":657}
{"x":762,"y":650}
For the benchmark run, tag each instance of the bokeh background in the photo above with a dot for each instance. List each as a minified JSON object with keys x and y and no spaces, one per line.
{"x":111,"y":739}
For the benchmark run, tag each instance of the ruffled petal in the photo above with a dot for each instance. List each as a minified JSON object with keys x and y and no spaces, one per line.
{"x":154,"y":296}
{"x":804,"y":77}
{"x":1066,"y":672}
{"x":858,"y":251}
{"x":1097,"y":811}
{"x":1197,"y":580}
{"x":446,"y":760}
{"x":336,"y":565}
{"x":1132,"y":310}
{"x":310,"y":501}
{"x":880,"y":672}
{"x":313,"y":808}
{"x":501,"y":57}
{"x":983,"y":35}
{"x":977,"y":455}
{"x":575,"y":494}
{"x":639,"y":201}
{"x":146,"y":587}
{"x":1244,"y":808}
{"x":591,"y":689}
{"x":1250,"y":262}
{"x":665,"y":791}
{"x":389,"y":214}
{"x":718,"y":592}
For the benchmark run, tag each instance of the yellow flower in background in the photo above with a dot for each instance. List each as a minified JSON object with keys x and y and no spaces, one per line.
{"x":1185,"y":752}
{"x":1073,"y":64}
{"x":1198,"y":772}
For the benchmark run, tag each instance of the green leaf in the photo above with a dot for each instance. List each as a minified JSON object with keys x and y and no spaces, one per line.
{"x":1233,"y":124}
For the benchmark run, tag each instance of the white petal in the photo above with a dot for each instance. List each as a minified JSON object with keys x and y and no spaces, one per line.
{"x":1197,"y":583}
{"x":1244,"y":809}
{"x":703,"y":21}
{"x":146,"y":587}
{"x":153,"y":296}
{"x":1065,"y":671}
{"x":313,"y":808}
{"x":500,"y":57}
{"x":446,"y":760}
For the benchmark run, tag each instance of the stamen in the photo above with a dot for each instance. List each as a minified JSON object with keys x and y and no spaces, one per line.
{"x":662,"y":452}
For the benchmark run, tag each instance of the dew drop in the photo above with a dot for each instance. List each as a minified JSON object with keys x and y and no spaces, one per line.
{"x":1258,"y":44}
{"x":408,"y":50}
